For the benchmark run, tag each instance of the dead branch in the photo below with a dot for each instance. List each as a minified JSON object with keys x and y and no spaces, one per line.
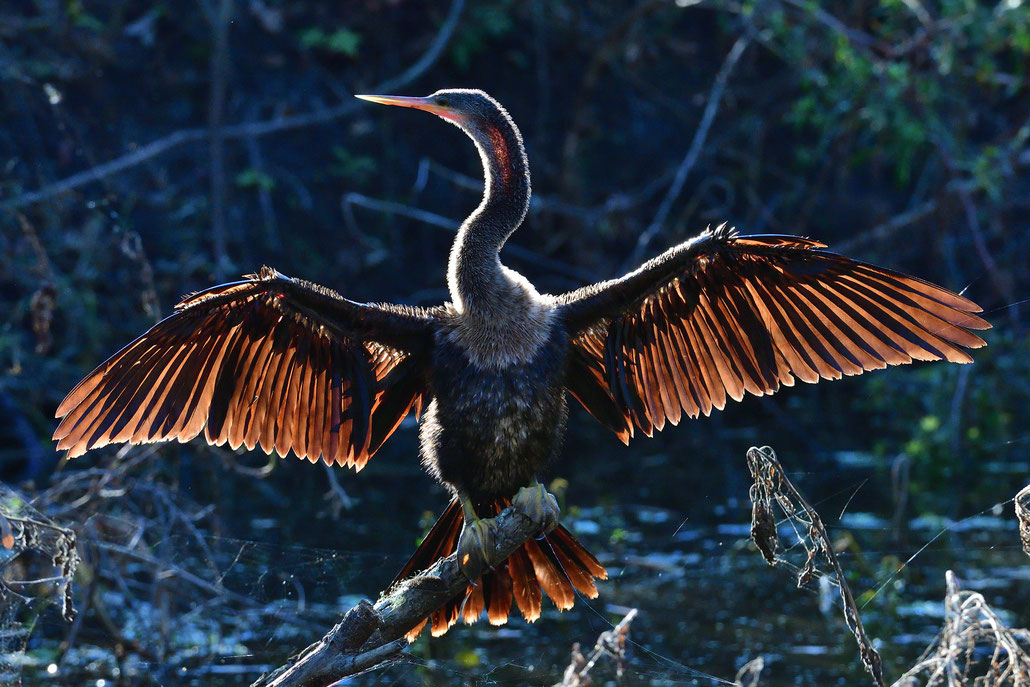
{"x":694,"y":152}
{"x":244,"y":130}
{"x":999,"y":281}
{"x":750,"y":673}
{"x":219,"y":19}
{"x":885,"y":230}
{"x":371,"y":635}
{"x":431,"y":218}
{"x":1023,"y":514}
{"x":973,"y":648}
{"x":19,"y":533}
{"x":771,"y":485}
{"x":611,"y":644}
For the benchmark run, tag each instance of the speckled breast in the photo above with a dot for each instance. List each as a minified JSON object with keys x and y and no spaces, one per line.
{"x":488,"y":430}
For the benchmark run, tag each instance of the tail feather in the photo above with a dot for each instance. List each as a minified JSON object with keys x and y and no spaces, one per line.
{"x":442,"y":620}
{"x":575,"y":561}
{"x":474,"y":602}
{"x":549,"y":573}
{"x":438,"y":543}
{"x":498,"y":592}
{"x":525,"y":588}
{"x":556,"y":565}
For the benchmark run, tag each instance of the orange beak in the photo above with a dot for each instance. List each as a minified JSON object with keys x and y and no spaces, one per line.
{"x":426,"y":104}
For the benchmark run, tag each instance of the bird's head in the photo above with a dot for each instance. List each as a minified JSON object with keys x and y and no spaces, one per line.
{"x":496,"y":137}
{"x":475,"y":112}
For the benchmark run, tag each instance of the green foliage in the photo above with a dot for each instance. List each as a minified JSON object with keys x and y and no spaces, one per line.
{"x":342,"y":40}
{"x":894,"y":89}
{"x":76,"y":11}
{"x":349,"y":165}
{"x":486,"y":23}
{"x":255,"y":178}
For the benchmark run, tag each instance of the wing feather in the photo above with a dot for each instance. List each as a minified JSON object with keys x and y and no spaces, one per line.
{"x":269,"y":361}
{"x":723,"y":315}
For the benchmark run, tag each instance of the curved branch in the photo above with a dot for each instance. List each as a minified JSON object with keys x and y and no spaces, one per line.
{"x":370,"y":635}
{"x":696,"y":145}
{"x":244,"y":130}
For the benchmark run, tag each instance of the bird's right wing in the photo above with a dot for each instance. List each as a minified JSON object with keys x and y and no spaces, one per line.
{"x":724,"y":315}
{"x":268,"y":361}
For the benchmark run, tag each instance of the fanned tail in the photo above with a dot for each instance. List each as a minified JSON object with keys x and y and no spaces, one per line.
{"x":556,"y":565}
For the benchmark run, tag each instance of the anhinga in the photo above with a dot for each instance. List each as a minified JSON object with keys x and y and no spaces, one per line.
{"x":287,"y":365}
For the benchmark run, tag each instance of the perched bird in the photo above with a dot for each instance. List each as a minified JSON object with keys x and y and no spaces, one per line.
{"x":287,"y":365}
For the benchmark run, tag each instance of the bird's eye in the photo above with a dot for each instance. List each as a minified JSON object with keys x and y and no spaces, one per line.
{"x":441,"y":101}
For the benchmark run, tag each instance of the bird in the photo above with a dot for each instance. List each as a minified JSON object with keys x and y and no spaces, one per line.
{"x":289,"y":366}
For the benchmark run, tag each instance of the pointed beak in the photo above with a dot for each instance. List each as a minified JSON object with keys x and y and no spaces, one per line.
{"x":426,"y":104}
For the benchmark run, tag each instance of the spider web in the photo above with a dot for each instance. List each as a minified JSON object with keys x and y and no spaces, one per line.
{"x":38,"y":560}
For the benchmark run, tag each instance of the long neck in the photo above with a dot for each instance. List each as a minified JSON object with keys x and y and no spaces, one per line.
{"x":474,"y":275}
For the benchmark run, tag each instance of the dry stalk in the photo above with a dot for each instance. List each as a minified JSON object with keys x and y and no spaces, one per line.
{"x":771,"y":485}
{"x":974,"y":647}
{"x":610,"y":644}
{"x":750,"y":673}
{"x":1023,"y":514}
{"x":24,"y":533}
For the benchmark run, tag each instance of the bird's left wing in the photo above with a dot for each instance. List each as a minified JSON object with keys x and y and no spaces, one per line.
{"x":268,"y":361}
{"x":722,"y":315}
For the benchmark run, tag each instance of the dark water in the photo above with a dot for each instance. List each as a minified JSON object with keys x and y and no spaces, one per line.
{"x":707,"y":601}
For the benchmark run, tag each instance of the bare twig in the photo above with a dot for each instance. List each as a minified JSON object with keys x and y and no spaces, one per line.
{"x":750,"y":673}
{"x":1023,"y":514}
{"x":433,"y":219}
{"x":611,"y":644}
{"x":694,"y":152}
{"x":219,"y":83}
{"x":887,"y":229}
{"x":20,"y":533}
{"x":370,"y":635}
{"x":245,"y":130}
{"x":771,"y":484}
{"x":974,"y":647}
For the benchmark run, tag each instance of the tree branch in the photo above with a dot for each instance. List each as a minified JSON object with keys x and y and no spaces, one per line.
{"x":219,"y":83}
{"x":696,"y":145}
{"x":244,"y":130}
{"x":370,"y":635}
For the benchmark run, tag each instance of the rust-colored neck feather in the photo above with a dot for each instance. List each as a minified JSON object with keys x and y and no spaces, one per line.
{"x":474,"y":276}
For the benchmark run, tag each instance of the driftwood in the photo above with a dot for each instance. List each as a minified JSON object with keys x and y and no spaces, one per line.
{"x":370,"y":635}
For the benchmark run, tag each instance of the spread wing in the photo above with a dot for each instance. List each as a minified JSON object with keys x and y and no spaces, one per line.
{"x":269,"y":361}
{"x":722,"y":315}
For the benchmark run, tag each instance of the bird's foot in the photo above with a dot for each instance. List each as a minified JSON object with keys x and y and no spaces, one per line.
{"x":475,"y":544}
{"x":537,"y":504}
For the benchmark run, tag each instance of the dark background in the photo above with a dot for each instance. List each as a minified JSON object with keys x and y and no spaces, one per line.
{"x":150,"y":149}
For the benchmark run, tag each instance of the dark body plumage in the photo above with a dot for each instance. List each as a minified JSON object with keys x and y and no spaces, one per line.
{"x":489,"y":431}
{"x":293,"y":367}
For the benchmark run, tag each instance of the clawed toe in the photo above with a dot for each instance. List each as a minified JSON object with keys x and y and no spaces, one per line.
{"x":475,"y":545}
{"x":538,"y":505}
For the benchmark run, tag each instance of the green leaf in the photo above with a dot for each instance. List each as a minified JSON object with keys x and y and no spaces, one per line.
{"x":344,"y":41}
{"x":312,"y":38}
{"x":254,"y":178}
